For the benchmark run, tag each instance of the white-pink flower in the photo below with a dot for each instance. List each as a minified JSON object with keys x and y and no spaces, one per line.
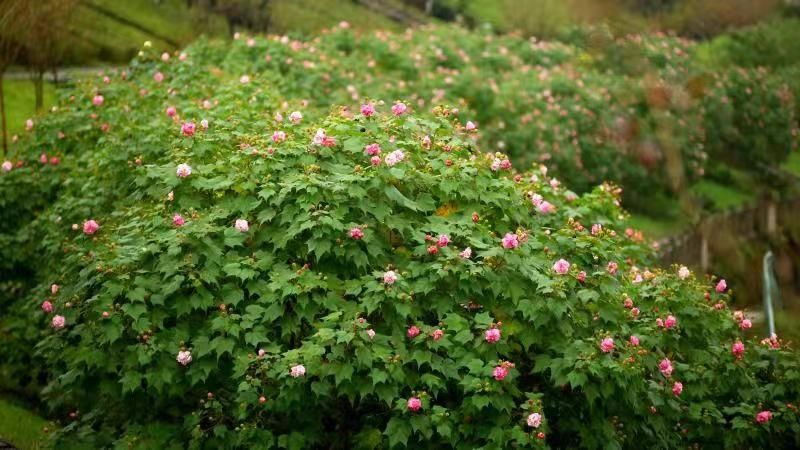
{"x":470,"y":126}
{"x":561,"y":267}
{"x":184,"y":357}
{"x":54,"y":288}
{"x":241,"y":225}
{"x":371,"y":333}
{"x":7,"y":166}
{"x":244,"y":79}
{"x":607,"y":345}
{"x":158,"y":77}
{"x":47,"y":306}
{"x":534,"y":420}
{"x":683,"y":272}
{"x":634,"y":341}
{"x":389,"y":277}
{"x":721,"y":286}
{"x":295,"y":117}
{"x":466,"y":253}
{"x":399,"y":108}
{"x":278,"y":137}
{"x":394,"y":157}
{"x":97,"y":100}
{"x":184,"y":170}
{"x":367,"y":109}
{"x":297,"y":371}
{"x":58,"y":322}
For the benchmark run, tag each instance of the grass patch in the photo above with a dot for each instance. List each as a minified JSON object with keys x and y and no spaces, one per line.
{"x":655,"y":228}
{"x":20,"y":104}
{"x":21,"y":427}
{"x":308,"y":16}
{"x":792,"y":164}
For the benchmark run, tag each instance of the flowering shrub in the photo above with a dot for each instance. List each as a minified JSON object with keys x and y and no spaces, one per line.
{"x":368,"y":279}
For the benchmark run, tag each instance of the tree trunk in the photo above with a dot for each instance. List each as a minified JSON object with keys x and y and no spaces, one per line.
{"x":3,"y":116}
{"x":39,"y":89}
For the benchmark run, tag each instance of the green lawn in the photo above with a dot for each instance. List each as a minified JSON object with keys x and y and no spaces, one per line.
{"x":792,"y":164}
{"x":20,"y":104}
{"x":20,"y":427}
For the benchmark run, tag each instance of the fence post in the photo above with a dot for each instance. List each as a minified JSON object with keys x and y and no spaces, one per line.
{"x":705,"y":257}
{"x":772,"y":217}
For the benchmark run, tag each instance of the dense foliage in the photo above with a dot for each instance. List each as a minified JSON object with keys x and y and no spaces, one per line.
{"x":206,"y":253}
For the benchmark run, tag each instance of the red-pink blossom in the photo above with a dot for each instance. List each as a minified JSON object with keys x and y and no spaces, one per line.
{"x":47,"y":306}
{"x":763,"y":417}
{"x":414,"y":404}
{"x":561,"y":266}
{"x":510,"y":241}
{"x":492,"y":335}
{"x":90,"y":227}
{"x":677,"y":388}
{"x":500,"y":373}
{"x":665,"y":366}
{"x":412,"y":332}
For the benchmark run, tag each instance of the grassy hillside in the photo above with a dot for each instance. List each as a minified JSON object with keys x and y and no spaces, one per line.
{"x":20,"y":102}
{"x":21,"y":427}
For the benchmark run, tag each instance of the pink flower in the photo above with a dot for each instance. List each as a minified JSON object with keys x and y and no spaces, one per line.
{"x":554,"y":183}
{"x":534,"y":420}
{"x":414,"y":404}
{"x":412,"y":332}
{"x":470,"y":126}
{"x":394,"y":157}
{"x":171,"y":111}
{"x":746,"y":324}
{"x":297,"y":371}
{"x":764,"y":417}
{"x":581,"y":275}
{"x":90,"y":227}
{"x":389,"y":277}
{"x":500,"y":373}
{"x":426,"y":142}
{"x":659,"y":322}
{"x":677,"y":388}
{"x":443,"y":240}
{"x":178,"y":220}
{"x":536,"y":199}
{"x":373,"y":149}
{"x":244,"y":79}
{"x":737,"y":349}
{"x":665,"y":366}
{"x":510,"y":241}
{"x":371,"y":333}
{"x":261,"y":352}
{"x":29,"y":125}
{"x":670,"y":322}
{"x":561,"y":267}
{"x":627,"y":303}
{"x":158,"y":77}
{"x":188,"y":128}
{"x":184,"y":357}
{"x":7,"y":166}
{"x":375,"y":160}
{"x":54,"y":288}
{"x":97,"y":100}
{"x":738,"y":316}
{"x":437,"y":334}
{"x":546,"y":207}
{"x":721,"y":286}
{"x":58,"y":322}
{"x":367,"y":109}
{"x":182,"y":56}
{"x":634,"y":341}
{"x":612,"y":268}
{"x":466,"y":253}
{"x":356,"y":233}
{"x":184,"y":170}
{"x":278,"y":117}
{"x":492,"y":335}
{"x":165,"y":56}
{"x":399,"y":108}
{"x":278,"y":137}
{"x":596,"y":229}
{"x":635,"y":312}
{"x":47,"y":307}
{"x":295,"y":117}
{"x":607,"y":345}
{"x":241,"y":225}
{"x":322,"y":139}
{"x":204,"y":124}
